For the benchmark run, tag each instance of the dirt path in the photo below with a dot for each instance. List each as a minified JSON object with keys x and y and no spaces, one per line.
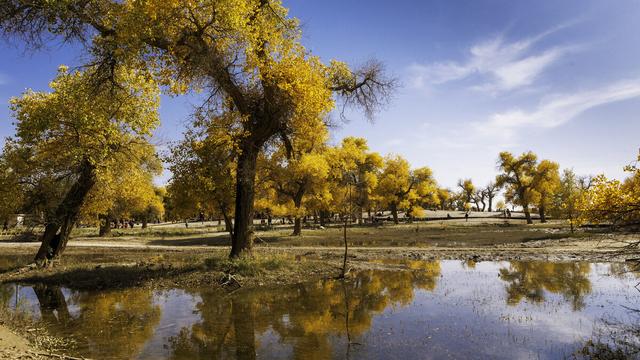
{"x":600,"y":249}
{"x":13,"y":346}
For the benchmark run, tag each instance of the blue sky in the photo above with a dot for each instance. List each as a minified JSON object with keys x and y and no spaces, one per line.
{"x":561,"y":78}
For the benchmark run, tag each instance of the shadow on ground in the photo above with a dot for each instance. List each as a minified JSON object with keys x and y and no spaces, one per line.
{"x":194,"y":241}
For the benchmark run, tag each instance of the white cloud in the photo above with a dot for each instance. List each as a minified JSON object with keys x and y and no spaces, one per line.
{"x":509,"y":65}
{"x":556,"y":110}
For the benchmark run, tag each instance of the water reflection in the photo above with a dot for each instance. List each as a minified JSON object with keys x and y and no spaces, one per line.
{"x":529,"y":280}
{"x":114,"y":322}
{"x":308,"y":317}
{"x":416,"y":310}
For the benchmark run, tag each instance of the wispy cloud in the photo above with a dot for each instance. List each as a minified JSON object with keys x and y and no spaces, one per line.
{"x":556,"y":110}
{"x":508,"y":65}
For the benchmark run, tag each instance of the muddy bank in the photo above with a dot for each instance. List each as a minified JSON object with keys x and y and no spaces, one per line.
{"x":104,"y":267}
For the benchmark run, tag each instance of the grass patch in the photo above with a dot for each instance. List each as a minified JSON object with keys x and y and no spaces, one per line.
{"x":249,"y":266}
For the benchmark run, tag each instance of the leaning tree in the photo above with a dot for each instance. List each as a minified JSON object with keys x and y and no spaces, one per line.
{"x":74,"y":139}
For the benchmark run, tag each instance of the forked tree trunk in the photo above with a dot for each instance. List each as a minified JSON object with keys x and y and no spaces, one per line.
{"x":56,"y":234}
{"x":242,"y":237}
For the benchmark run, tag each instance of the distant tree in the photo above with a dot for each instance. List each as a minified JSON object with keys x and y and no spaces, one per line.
{"x":567,"y":197}
{"x":445,"y":199}
{"x":517,"y":178}
{"x":546,"y":183}
{"x":467,"y":191}
{"x":400,"y":187}
{"x":297,"y":172}
{"x":491,"y":191}
{"x":612,"y":201}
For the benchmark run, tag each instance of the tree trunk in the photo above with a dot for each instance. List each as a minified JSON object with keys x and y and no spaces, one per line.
{"x":297,"y":222}
{"x":56,"y":233}
{"x":242,"y":237}
{"x":527,"y":214}
{"x":323,"y":218}
{"x":53,"y":305}
{"x":490,"y":204}
{"x":145,"y":222}
{"x":394,"y":212}
{"x":105,"y":226}
{"x":543,"y":217}
{"x":243,"y":323}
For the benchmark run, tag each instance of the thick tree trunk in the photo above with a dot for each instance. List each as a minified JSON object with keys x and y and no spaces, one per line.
{"x":297,"y":226}
{"x":323,"y":218}
{"x":105,"y":226}
{"x":490,"y":204}
{"x":53,"y":305}
{"x":243,"y":323}
{"x":543,"y":217}
{"x":527,"y":214}
{"x":297,"y":222}
{"x":242,"y":238}
{"x":145,"y":221}
{"x":394,"y":212}
{"x":56,"y":233}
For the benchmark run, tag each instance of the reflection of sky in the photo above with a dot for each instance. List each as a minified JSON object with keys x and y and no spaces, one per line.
{"x":177,"y":313}
{"x":466,"y":316}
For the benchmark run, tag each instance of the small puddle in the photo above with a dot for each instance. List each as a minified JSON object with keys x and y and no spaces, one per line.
{"x":497,"y":310}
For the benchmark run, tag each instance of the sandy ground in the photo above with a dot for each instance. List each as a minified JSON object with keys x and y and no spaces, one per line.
{"x":13,"y":346}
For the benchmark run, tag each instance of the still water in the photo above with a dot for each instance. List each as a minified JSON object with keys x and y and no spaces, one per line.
{"x":445,"y":309}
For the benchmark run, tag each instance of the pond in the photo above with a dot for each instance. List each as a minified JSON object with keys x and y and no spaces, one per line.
{"x":441,"y":309}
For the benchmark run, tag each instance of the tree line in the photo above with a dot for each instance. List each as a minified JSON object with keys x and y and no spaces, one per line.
{"x":256,"y":144}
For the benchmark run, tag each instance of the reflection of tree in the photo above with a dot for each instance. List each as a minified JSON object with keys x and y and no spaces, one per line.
{"x":529,"y":279}
{"x":115,"y":323}
{"x":6,"y":294}
{"x":305,"y":316}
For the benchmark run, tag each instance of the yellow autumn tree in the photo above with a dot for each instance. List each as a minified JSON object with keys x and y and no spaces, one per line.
{"x":297,"y":171}
{"x":399,"y":187}
{"x":202,"y":165}
{"x":75,"y":136}
{"x":246,"y":54}
{"x":546,"y":181}
{"x":517,"y":178}
{"x":612,"y":202}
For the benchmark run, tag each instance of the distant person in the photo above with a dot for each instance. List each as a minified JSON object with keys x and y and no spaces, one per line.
{"x":448,"y":216}
{"x":186,"y":223}
{"x":466,"y":216}
{"x":131,"y":223}
{"x":509,"y":213}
